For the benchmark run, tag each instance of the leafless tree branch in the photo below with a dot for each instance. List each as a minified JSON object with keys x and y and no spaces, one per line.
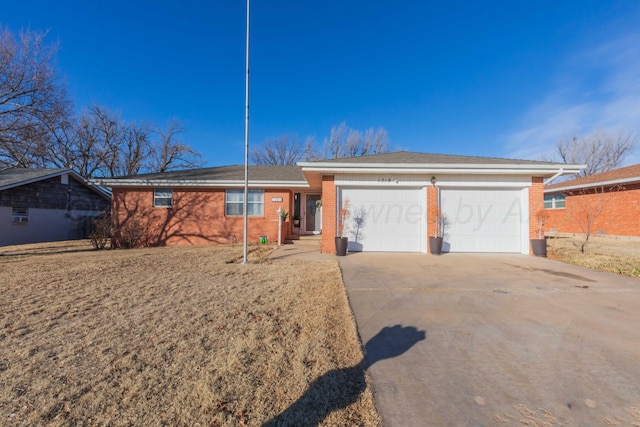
{"x":283,"y":150}
{"x":33,"y":102}
{"x":601,"y":151}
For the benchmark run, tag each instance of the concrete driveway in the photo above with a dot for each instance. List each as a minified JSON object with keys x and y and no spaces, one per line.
{"x":510,"y":340}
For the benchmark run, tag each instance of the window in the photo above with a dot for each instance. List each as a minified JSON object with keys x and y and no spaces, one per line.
{"x":556,"y":201}
{"x":163,"y":197}
{"x":20,"y":215}
{"x":234,"y":202}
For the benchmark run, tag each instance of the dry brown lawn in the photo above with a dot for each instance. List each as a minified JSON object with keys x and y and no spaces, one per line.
{"x":603,"y":253}
{"x":176,"y":336}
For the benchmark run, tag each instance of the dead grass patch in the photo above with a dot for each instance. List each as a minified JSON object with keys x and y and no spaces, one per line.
{"x":603,"y":253}
{"x":176,"y":336}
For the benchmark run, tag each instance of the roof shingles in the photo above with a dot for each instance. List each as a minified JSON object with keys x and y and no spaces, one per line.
{"x":626,"y":173}
{"x":16,"y":176}
{"x":407,"y":157}
{"x":225,"y":173}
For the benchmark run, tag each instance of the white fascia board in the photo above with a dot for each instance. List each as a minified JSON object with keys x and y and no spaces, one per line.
{"x":117,"y":183}
{"x":98,"y":188}
{"x":593,"y":184}
{"x":448,"y":169}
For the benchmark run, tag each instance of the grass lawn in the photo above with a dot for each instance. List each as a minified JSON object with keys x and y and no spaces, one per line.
{"x":603,"y":253}
{"x":176,"y":336}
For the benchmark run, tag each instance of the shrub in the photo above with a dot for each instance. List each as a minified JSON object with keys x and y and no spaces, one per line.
{"x":101,"y":231}
{"x":132,"y":235}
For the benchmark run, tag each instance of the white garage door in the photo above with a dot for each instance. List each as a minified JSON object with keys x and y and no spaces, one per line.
{"x":483,"y":220}
{"x":389,"y":220}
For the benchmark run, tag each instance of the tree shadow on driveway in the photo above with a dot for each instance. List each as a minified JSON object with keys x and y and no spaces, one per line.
{"x":339,"y":388}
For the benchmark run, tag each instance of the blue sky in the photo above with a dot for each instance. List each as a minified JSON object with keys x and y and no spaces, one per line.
{"x":501,"y":78}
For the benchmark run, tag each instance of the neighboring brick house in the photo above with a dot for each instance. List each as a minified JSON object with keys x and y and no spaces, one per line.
{"x":46,"y":205}
{"x":608,"y":202}
{"x":488,"y":200}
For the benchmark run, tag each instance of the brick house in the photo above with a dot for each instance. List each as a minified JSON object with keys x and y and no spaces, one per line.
{"x":611,"y":199}
{"x":202,"y":205}
{"x":46,"y":205}
{"x":488,"y":200}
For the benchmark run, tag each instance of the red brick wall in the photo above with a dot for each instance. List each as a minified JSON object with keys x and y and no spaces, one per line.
{"x":329,"y":198}
{"x":196,"y":217}
{"x":432,"y":204}
{"x":620,"y":211}
{"x":536,"y":204}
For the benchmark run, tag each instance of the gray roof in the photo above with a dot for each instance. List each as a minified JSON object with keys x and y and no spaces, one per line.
{"x":223,"y":173}
{"x":407,"y":157}
{"x":14,"y":177}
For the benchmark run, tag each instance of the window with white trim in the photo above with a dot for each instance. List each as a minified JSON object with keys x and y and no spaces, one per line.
{"x":20,"y":215}
{"x":162,"y":197}
{"x":234,"y":202}
{"x":556,"y":201}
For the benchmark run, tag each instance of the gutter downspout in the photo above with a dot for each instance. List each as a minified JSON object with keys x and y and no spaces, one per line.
{"x":560,"y":172}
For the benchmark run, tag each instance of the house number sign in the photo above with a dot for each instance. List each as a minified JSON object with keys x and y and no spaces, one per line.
{"x":276,"y":199}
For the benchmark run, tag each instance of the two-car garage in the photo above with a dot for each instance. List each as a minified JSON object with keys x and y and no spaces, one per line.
{"x":480,"y":218}
{"x":489,"y":200}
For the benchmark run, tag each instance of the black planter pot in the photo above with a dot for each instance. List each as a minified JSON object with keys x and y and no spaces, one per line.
{"x":435,"y":245}
{"x":539,"y":247}
{"x":341,"y":246}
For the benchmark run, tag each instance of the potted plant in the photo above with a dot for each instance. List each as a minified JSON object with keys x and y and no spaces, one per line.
{"x":296,"y":220}
{"x":284,"y":215}
{"x":539,"y":245}
{"x":435,"y":242}
{"x":341,"y":241}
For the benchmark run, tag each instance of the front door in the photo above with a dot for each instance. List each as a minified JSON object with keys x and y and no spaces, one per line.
{"x":313,"y":214}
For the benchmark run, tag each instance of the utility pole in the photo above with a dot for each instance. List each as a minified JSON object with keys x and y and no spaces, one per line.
{"x":246,"y":147}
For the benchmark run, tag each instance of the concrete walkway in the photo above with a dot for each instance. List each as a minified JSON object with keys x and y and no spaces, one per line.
{"x":508,"y":340}
{"x":305,"y":249}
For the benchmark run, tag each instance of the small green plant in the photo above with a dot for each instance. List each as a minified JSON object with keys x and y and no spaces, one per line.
{"x":284,"y":215}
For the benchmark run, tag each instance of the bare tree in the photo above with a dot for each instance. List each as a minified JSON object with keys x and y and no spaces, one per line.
{"x":39,"y":129}
{"x":334,"y":146}
{"x":342,"y":142}
{"x":377,"y":143}
{"x":600,"y":151}
{"x":136,"y":148}
{"x":32,"y":99}
{"x":280,"y":151}
{"x":347,"y":142}
{"x":169,"y":153}
{"x":311,"y":152}
{"x":109,"y":146}
{"x":587,"y":207}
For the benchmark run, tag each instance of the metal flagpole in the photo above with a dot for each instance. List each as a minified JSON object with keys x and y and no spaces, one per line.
{"x":246,"y":147}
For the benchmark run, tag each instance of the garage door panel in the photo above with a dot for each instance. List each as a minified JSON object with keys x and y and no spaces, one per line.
{"x":483,"y":220}
{"x":389,"y":220}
